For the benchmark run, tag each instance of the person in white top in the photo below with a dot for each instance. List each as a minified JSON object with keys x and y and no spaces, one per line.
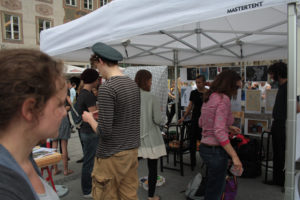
{"x":263,"y":86}
{"x":72,"y":92}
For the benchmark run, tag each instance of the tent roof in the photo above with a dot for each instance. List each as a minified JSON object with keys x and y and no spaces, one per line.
{"x":147,"y":31}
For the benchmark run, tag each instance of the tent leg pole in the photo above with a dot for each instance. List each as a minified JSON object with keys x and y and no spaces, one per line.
{"x":175,"y":52}
{"x":291,"y":104}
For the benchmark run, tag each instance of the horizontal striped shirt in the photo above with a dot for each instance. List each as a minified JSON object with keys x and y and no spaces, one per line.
{"x":118,"y":117}
{"x":215,"y":119}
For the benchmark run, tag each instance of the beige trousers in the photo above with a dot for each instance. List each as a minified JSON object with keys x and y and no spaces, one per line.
{"x":116,"y":178}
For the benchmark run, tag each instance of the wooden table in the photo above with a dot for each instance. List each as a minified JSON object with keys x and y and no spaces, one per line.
{"x":45,"y":162}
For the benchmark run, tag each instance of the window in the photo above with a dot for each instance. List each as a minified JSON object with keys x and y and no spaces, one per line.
{"x":12,"y":27}
{"x":42,"y":24}
{"x":71,"y":2}
{"x":88,"y":4}
{"x":103,"y":2}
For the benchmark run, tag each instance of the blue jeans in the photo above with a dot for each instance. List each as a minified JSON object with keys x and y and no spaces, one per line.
{"x":216,"y":160}
{"x":90,"y":142}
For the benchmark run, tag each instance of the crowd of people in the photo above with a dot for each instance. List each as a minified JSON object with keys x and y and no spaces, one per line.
{"x":127,"y":125}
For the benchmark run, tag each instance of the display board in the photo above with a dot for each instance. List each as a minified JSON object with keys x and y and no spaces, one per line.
{"x":253,"y":101}
{"x":270,"y":100}
{"x":159,"y":82}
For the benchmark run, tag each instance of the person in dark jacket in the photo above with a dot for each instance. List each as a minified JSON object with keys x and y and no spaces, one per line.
{"x":278,"y":72}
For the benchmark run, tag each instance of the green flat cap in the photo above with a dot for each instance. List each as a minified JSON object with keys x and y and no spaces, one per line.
{"x":106,"y":52}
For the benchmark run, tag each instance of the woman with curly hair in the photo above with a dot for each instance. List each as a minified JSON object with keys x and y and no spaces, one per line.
{"x":33,"y":92}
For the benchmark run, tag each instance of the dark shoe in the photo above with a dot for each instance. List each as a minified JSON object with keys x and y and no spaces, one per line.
{"x":80,"y":161}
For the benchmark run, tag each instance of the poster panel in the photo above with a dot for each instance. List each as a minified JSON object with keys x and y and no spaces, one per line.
{"x":185,"y":95}
{"x":212,"y":73}
{"x":159,"y":82}
{"x":257,"y":73}
{"x":191,"y":73}
{"x":270,"y":100}
{"x":253,"y":101}
{"x":204,"y":72}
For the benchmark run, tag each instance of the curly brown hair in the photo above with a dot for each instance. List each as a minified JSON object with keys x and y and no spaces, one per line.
{"x":141,"y":78}
{"x":224,"y":83}
{"x":27,"y":73}
{"x":95,"y":58}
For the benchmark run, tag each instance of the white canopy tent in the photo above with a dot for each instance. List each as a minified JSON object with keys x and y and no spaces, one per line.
{"x":202,"y":32}
{"x":176,"y":32}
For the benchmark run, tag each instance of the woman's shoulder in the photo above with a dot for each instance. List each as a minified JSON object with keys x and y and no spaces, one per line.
{"x":219,"y":97}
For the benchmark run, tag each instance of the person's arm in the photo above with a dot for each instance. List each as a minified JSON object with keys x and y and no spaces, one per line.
{"x":188,"y":110}
{"x":235,"y":159}
{"x":235,"y":130}
{"x":88,"y":117}
{"x":92,"y":109}
{"x":298,"y":107}
{"x":220,"y":120}
{"x":222,"y":112}
{"x":171,"y":95}
{"x":69,"y":100}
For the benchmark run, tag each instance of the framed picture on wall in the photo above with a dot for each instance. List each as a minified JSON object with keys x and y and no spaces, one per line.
{"x":191,"y":74}
{"x":213,"y":71}
{"x":255,"y":127}
{"x":237,"y":69}
{"x":204,"y":72}
{"x":257,"y":73}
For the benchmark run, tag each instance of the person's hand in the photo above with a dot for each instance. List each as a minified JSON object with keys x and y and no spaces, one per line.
{"x":181,"y":120}
{"x":95,"y":114}
{"x":237,"y":164}
{"x":234,"y":130}
{"x":87,"y":116}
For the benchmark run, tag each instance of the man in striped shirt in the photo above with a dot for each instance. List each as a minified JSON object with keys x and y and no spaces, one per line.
{"x":115,"y":169}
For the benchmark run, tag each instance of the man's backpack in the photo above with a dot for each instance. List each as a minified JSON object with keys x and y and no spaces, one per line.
{"x":74,"y":117}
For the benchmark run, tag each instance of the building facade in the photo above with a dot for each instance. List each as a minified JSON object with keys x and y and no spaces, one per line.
{"x":23,"y":20}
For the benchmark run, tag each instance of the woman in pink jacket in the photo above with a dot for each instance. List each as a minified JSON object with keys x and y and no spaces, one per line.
{"x":216,"y":121}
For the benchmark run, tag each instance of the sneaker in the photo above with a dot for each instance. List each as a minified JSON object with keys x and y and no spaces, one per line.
{"x":88,"y":196}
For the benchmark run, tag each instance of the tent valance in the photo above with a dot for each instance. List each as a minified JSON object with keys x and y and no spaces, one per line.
{"x":147,"y":31}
